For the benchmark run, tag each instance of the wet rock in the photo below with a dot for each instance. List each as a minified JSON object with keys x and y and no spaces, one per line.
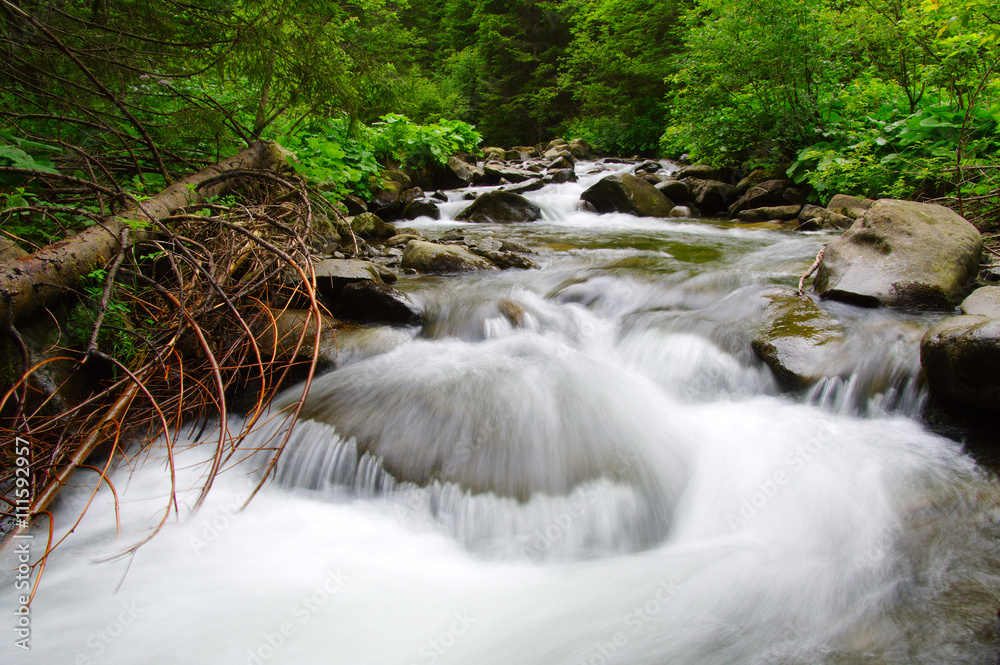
{"x":560,"y":176}
{"x":681,"y":211}
{"x":629,"y":194}
{"x":711,"y":196}
{"x":761,"y":195}
{"x":651,"y":166}
{"x":532,"y":185}
{"x":354,"y":205}
{"x":961,"y":359}
{"x":984,"y":301}
{"x":675,"y":190}
{"x":440,"y":196}
{"x":783,"y":213}
{"x":505,"y":260}
{"x":699,"y":172}
{"x":849,"y":206}
{"x":368,"y":225}
{"x":401,"y":239}
{"x":526,"y":151}
{"x":372,"y":302}
{"x":581,"y":149}
{"x":902,"y":254}
{"x":559,"y":163}
{"x":463,"y":174}
{"x":501,"y":208}
{"x":280,"y":332}
{"x":496,"y":173}
{"x":797,"y":339}
{"x":386,"y":200}
{"x":494,"y":154}
{"x":827,"y":219}
{"x":421,"y":208}
{"x":332,"y":275}
{"x":428,"y":257}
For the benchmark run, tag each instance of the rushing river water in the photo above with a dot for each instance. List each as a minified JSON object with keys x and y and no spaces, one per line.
{"x":611,"y":477}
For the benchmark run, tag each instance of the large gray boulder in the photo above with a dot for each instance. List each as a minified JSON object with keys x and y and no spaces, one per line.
{"x":798,"y":340}
{"x":629,"y":194}
{"x":429,"y":257}
{"x":902,"y":254}
{"x":984,"y":301}
{"x":961,"y":359}
{"x":500,"y":208}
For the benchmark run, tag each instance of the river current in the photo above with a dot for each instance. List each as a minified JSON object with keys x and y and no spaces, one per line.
{"x":604,"y":473}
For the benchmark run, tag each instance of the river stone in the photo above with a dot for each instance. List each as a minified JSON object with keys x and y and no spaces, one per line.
{"x":681,"y":211}
{"x":849,"y":206}
{"x":711,"y":196}
{"x":798,"y":339}
{"x":494,"y":154}
{"x":421,"y":208}
{"x":279,"y":333}
{"x":532,"y":185}
{"x":463,"y":173}
{"x":560,"y":176}
{"x":984,"y":301}
{"x":429,"y":257}
{"x":675,"y":190}
{"x":580,"y":149}
{"x":368,"y":225}
{"x":783,"y":213}
{"x":354,"y":205}
{"x":902,"y":254}
{"x":699,"y":172}
{"x":496,"y":173}
{"x":827,"y":218}
{"x":500,"y":208}
{"x":370,"y":302}
{"x":761,"y":195}
{"x":629,"y":194}
{"x":961,"y":359}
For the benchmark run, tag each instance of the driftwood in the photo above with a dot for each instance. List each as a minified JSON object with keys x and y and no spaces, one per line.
{"x":29,"y":284}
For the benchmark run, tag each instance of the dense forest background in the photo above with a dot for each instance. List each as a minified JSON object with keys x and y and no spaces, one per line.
{"x":875,"y":97}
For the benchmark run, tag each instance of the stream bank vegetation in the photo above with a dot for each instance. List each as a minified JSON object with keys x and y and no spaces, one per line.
{"x":107,"y":107}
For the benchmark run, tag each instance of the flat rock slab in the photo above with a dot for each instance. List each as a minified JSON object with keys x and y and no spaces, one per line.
{"x":798,"y":339}
{"x":902,"y":254}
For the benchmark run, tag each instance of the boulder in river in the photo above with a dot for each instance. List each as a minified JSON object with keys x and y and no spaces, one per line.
{"x":629,"y":194}
{"x":961,"y":359}
{"x":495,"y":173}
{"x":374,"y":302}
{"x":421,"y":208}
{"x":711,"y":196}
{"x":461,"y":173}
{"x":902,"y":254}
{"x":824,"y":218}
{"x":429,"y":257}
{"x":368,"y":225}
{"x":798,"y":339}
{"x":675,"y":190}
{"x":782,"y":213}
{"x":767,"y":193}
{"x":501,"y":208}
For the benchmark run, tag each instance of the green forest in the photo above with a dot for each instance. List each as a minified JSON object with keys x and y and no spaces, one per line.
{"x":875,"y":97}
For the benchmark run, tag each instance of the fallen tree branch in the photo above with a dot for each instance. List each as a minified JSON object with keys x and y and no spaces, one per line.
{"x":65,"y":263}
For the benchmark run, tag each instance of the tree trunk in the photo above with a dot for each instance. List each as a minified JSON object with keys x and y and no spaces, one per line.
{"x":29,"y":284}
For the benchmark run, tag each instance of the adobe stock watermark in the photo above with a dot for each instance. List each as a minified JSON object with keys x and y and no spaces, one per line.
{"x":212,"y":529}
{"x":301,"y":613}
{"x":558,"y":527}
{"x":100,"y":640}
{"x":436,"y":646}
{"x":801,"y":456}
{"x":603,"y":653}
{"x":22,"y":544}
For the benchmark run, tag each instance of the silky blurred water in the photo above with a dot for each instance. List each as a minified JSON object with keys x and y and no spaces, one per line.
{"x":580,"y":464}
